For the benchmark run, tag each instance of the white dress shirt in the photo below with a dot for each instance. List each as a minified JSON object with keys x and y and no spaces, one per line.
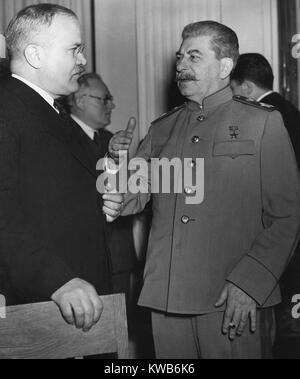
{"x":45,"y":95}
{"x":90,"y":132}
{"x":264,"y":95}
{"x":108,"y":164}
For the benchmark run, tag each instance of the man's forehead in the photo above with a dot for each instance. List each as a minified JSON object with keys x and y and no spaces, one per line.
{"x":196,"y":43}
{"x":67,"y":29}
{"x":97,"y":86}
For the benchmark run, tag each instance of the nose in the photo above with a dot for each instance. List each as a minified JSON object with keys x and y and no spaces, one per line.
{"x":81,"y":60}
{"x":181,"y":64}
{"x":111,"y":105}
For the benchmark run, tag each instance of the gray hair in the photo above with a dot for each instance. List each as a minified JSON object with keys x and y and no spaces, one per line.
{"x":84,"y":81}
{"x":224,"y":41}
{"x":28,"y":23}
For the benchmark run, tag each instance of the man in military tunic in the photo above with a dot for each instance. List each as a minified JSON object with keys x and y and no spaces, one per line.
{"x":212,"y":270}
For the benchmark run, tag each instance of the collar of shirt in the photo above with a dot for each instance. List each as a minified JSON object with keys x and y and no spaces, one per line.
{"x":264,"y":95}
{"x":45,"y":95}
{"x":90,"y":132}
{"x":210,"y":102}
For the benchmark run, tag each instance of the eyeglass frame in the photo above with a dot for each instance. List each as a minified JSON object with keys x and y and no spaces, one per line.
{"x":79,"y":49}
{"x":104,"y":99}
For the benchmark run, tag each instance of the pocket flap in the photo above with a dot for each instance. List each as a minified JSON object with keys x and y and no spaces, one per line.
{"x":234,"y":148}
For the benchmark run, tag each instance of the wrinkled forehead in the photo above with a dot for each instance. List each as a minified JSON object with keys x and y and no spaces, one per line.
{"x":201,"y":43}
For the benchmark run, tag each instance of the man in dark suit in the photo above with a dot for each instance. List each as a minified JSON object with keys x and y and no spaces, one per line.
{"x":91,"y":108}
{"x":52,"y":227}
{"x":253,"y":78}
{"x":4,"y":67}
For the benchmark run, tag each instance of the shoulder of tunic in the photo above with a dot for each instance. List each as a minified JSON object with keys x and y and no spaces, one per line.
{"x":253,"y":103}
{"x":165,"y":115}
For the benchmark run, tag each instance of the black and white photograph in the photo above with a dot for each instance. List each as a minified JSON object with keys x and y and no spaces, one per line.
{"x":149,"y":182}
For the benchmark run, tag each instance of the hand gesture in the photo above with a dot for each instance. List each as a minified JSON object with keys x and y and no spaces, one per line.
{"x":121,"y":141}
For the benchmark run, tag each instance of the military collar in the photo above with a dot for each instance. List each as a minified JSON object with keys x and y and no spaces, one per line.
{"x":220,"y":97}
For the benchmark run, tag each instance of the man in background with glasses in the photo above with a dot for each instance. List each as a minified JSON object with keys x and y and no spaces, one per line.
{"x":91,"y":108}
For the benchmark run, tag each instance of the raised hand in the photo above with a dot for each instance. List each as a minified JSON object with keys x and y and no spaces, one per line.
{"x":122,"y":140}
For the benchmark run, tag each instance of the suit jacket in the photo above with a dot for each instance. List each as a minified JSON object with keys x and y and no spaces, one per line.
{"x":245,"y":230}
{"x":290,"y":282}
{"x":52,"y":228}
{"x":120,"y":232}
{"x":291,"y":118}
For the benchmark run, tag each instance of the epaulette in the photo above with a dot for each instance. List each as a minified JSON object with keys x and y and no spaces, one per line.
{"x":169,"y":113}
{"x":254,"y":103}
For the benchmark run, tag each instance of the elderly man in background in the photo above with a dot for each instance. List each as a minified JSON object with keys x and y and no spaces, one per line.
{"x":52,"y":226}
{"x":91,"y":108}
{"x":212,"y":269}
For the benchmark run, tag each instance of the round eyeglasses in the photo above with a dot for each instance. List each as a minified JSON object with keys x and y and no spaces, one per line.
{"x":105,"y":99}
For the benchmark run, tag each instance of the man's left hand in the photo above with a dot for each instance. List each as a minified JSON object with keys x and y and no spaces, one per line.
{"x":239,"y":309}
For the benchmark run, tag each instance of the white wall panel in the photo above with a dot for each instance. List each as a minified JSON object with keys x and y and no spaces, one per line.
{"x":137,"y":41}
{"x":256,"y":24}
{"x":9,"y":8}
{"x":117,"y":56}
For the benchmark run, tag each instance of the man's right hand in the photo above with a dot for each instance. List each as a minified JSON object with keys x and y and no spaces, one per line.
{"x":122,"y":140}
{"x":79,"y":304}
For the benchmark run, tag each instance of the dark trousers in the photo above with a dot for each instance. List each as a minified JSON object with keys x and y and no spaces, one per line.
{"x":121,"y":283}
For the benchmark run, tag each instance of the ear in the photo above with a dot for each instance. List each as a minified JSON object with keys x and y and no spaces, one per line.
{"x":34,"y":56}
{"x":226,"y":67}
{"x":248,"y":88}
{"x":80,"y":101}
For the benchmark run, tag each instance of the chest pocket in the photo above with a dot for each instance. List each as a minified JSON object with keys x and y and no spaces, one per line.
{"x":233,"y":149}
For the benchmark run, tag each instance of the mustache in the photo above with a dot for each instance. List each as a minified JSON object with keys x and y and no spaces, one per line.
{"x":185,"y":78}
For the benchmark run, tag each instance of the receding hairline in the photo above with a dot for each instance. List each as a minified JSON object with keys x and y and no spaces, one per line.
{"x":32,"y":21}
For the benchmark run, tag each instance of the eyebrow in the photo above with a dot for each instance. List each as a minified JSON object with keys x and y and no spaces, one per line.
{"x":194,"y":51}
{"x":76,"y":45}
{"x":190,"y":52}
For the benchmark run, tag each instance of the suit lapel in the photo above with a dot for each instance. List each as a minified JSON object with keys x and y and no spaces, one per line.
{"x":76,"y":146}
{"x":82,"y":143}
{"x":59,"y":126}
